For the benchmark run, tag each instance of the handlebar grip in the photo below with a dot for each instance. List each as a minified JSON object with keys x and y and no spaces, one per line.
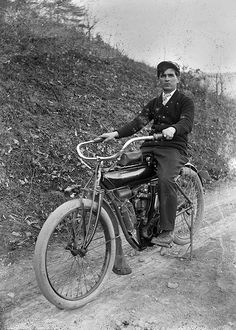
{"x":98,"y":139}
{"x":157,"y":136}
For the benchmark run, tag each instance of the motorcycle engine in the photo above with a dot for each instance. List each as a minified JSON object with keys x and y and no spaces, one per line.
{"x":141,"y":202}
{"x":136,"y":205}
{"x":147,"y":211}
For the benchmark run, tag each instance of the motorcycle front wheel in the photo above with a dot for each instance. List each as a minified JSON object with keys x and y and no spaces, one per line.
{"x":69,"y":273}
{"x":190,"y":205}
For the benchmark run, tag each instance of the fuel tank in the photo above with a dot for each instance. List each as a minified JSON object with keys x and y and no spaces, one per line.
{"x":129,"y":175}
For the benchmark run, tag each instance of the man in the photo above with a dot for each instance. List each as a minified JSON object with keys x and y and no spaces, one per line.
{"x":172,"y":114}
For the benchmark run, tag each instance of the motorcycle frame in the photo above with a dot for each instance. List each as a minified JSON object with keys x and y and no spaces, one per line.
{"x":99,"y":192}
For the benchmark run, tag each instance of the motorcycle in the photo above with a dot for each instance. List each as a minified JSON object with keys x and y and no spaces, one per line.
{"x":77,"y":246}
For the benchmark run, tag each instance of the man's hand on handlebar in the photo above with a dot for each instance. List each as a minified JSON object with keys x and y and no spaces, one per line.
{"x":106,"y":137}
{"x":169,"y":133}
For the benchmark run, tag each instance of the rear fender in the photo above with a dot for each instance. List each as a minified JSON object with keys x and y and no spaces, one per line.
{"x":203,"y":174}
{"x":191,"y":166}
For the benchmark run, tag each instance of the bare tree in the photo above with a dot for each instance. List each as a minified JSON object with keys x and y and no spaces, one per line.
{"x":89,"y":24}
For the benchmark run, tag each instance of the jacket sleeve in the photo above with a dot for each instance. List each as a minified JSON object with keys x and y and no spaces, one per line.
{"x":141,"y":120}
{"x":185,"y":123}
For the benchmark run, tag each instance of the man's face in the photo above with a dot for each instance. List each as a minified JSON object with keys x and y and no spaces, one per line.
{"x":168,"y":80}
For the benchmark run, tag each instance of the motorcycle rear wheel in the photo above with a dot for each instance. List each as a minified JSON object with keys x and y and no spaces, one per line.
{"x":68,"y":275}
{"x":191,"y":185}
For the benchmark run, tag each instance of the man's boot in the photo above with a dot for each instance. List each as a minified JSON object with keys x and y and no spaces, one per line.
{"x":121,"y":266}
{"x":164,"y":239}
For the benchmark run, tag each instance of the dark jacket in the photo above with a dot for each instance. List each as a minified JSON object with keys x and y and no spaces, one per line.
{"x":178,"y":113}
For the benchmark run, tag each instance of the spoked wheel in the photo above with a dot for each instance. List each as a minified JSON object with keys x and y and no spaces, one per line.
{"x":69,"y":272}
{"x":190,"y":203}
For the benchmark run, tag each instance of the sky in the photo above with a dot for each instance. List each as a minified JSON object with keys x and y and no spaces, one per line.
{"x":198,"y":34}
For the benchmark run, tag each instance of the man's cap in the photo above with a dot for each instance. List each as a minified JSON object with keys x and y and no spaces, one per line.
{"x":163,"y":66}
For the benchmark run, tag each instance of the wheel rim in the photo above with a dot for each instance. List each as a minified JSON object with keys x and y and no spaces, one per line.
{"x":73,"y":271}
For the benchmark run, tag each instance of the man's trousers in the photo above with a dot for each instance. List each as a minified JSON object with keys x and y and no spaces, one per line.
{"x":169,"y":163}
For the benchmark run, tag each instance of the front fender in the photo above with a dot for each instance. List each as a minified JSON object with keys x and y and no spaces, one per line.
{"x":105,"y":205}
{"x":112,"y":216}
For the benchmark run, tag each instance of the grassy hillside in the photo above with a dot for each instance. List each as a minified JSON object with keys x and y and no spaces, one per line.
{"x":59,"y":88}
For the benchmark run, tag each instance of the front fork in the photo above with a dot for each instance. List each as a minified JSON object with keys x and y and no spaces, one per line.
{"x":97,"y":196}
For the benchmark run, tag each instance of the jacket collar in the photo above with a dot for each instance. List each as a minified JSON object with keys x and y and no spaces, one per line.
{"x":173,"y":98}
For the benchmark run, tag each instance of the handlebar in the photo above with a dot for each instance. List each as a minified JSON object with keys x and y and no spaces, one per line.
{"x":119,"y":153}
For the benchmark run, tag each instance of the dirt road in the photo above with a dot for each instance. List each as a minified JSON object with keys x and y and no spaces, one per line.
{"x":164,"y":291}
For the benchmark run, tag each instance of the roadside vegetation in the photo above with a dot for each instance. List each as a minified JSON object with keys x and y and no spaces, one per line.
{"x":59,"y":85}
